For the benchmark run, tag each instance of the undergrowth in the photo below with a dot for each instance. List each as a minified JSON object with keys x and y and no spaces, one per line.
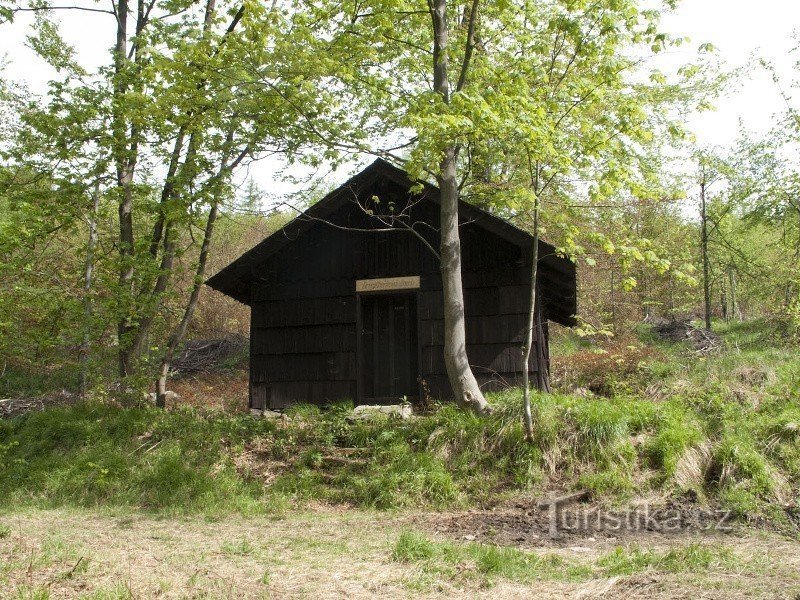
{"x":721,"y":429}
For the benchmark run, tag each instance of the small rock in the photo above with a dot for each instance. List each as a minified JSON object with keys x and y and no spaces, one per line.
{"x":580,"y":549}
{"x":256,"y":412}
{"x":272,"y":414}
{"x":169,"y":396}
{"x":469,"y":537}
{"x":367,"y":411}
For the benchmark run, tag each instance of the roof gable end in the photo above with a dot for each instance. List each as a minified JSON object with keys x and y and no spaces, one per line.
{"x":233,"y":280}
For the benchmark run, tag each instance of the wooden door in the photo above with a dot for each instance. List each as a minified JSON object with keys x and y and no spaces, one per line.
{"x":388,"y":358}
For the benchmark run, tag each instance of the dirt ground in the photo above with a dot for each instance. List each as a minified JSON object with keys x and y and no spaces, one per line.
{"x":340,"y":553}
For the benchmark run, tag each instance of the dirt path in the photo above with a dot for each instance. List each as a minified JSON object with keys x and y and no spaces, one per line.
{"x":330,"y":553}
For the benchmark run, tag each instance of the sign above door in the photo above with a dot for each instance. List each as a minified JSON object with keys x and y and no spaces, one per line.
{"x":387,"y":284}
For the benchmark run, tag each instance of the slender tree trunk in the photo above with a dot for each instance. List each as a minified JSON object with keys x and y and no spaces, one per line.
{"x":180,"y":331}
{"x":529,"y":334}
{"x":179,"y":178}
{"x":126,"y":150}
{"x":732,"y":286}
{"x":167,"y":191}
{"x":613,"y":301}
{"x":704,"y":251}
{"x":723,"y":304}
{"x":87,"y":287}
{"x":166,"y":232}
{"x":465,"y":387}
{"x":543,"y":356}
{"x":125,"y":166}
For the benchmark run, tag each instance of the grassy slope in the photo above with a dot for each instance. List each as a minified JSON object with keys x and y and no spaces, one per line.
{"x":723,"y":429}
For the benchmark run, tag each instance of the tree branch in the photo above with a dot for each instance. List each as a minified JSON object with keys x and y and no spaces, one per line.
{"x":80,"y":8}
{"x":470,"y":45}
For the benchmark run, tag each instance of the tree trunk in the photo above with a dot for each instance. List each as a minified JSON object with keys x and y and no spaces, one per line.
{"x":466,"y":390}
{"x":613,"y":297}
{"x":87,"y":286}
{"x":732,"y":286}
{"x":543,"y":356}
{"x":723,"y":304}
{"x":704,"y":252}
{"x":164,"y":230}
{"x":529,"y":334}
{"x":180,"y":331}
{"x":529,"y":337}
{"x":125,"y":151}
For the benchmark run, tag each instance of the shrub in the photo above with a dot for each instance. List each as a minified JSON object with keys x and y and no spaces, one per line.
{"x":603,"y":370}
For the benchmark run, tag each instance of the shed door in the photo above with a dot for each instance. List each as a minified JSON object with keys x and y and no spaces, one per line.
{"x":388,"y":347}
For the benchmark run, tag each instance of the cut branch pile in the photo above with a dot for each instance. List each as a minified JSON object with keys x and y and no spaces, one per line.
{"x":199,"y":356}
{"x":15,"y":407}
{"x":702,"y":340}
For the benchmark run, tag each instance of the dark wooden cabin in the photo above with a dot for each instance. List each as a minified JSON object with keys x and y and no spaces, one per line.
{"x":346,"y":302}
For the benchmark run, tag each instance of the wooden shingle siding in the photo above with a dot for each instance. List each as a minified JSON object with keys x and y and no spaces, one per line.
{"x":316,"y":366}
{"x":305,"y":311}
{"x":305,"y":338}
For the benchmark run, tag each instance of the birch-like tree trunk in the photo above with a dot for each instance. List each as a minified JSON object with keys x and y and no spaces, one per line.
{"x":125,"y":159}
{"x":704,"y":251}
{"x":529,"y":333}
{"x":87,"y":287}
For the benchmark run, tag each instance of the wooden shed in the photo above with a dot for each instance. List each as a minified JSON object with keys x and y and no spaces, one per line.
{"x":346,"y":301}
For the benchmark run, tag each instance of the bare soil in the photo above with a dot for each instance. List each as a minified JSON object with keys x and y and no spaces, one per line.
{"x":535,"y":526}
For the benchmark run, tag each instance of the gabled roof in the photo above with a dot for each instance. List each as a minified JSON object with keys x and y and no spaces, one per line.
{"x":558,"y":274}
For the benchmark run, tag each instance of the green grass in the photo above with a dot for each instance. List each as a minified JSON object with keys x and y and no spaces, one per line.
{"x":99,"y":455}
{"x":487,"y":563}
{"x":726,"y":426}
{"x":691,"y":558}
{"x":453,"y":560}
{"x":242,"y":547}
